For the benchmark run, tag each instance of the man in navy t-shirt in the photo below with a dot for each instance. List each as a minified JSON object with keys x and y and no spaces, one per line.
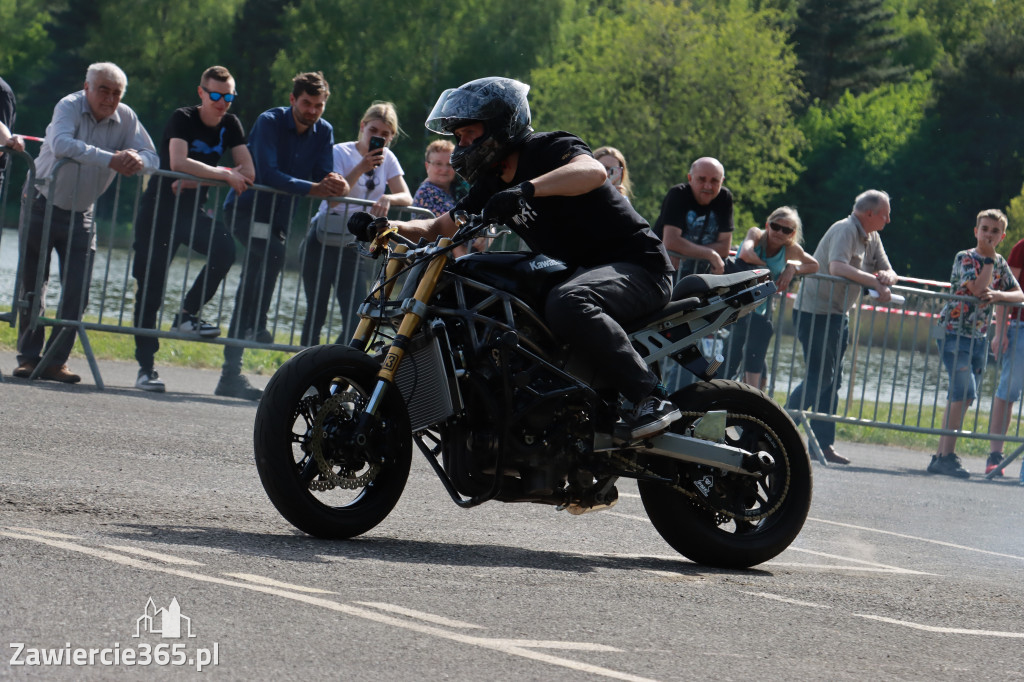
{"x":171,"y":214}
{"x":696,"y":222}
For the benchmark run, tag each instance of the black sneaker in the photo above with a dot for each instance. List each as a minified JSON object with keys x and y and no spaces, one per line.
{"x":994,"y":460}
{"x":237,"y":387}
{"x":651,"y":416}
{"x":947,"y":465}
{"x":150,"y":381}
{"x":259,"y":335}
{"x":190,"y":324}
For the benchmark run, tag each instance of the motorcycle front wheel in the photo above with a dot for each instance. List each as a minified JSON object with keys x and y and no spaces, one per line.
{"x":726,"y":519}
{"x":324,"y":473}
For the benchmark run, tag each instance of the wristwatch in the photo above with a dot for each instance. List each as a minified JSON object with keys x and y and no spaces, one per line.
{"x":987,"y":261}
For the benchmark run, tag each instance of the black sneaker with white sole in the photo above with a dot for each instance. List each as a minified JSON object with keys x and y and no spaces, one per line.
{"x":150,"y":381}
{"x":190,"y":324}
{"x":651,"y":416}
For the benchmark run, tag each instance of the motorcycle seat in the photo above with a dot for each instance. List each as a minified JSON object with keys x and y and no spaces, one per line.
{"x":700,"y":285}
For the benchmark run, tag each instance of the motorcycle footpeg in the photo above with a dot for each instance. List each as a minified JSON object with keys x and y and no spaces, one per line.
{"x":592,"y":503}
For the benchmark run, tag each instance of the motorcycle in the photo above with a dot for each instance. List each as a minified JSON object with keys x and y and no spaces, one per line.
{"x":461,"y":363}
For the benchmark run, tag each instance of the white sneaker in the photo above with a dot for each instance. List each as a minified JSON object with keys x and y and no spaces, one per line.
{"x":150,"y":381}
{"x":190,"y":324}
{"x":651,"y":415}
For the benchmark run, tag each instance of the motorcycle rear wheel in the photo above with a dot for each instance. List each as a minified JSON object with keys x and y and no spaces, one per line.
{"x":299,"y":415}
{"x":711,"y":529}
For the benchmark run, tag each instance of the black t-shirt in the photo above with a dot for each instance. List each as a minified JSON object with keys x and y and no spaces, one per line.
{"x":591,"y":229}
{"x":699,"y":224}
{"x":206,"y":144}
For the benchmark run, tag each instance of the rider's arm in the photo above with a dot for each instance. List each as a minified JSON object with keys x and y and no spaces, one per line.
{"x":428,"y":228}
{"x":582,"y":174}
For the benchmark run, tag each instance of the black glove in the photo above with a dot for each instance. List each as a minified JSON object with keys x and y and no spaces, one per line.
{"x":506,"y":204}
{"x":359,"y":225}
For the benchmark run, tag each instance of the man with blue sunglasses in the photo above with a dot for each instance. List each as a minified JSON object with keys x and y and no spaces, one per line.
{"x":171,"y":214}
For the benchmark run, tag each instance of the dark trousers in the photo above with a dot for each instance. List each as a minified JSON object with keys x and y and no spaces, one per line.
{"x":264,"y":260}
{"x":824,"y":339}
{"x":585,"y":312}
{"x":324,"y":267}
{"x":747,"y":346}
{"x":72,"y":235}
{"x":157,"y":237}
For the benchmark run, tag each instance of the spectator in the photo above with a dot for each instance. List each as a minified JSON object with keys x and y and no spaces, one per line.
{"x":979,"y":273}
{"x":612,"y":159}
{"x":103,"y":136}
{"x":853,"y":249}
{"x":194,"y":140}
{"x":438,"y":192}
{"x":291,"y":152}
{"x":549,"y":188}
{"x":696,"y":220}
{"x":1008,"y":347}
{"x":778,"y":248}
{"x":8,"y":109}
{"x":374,"y":175}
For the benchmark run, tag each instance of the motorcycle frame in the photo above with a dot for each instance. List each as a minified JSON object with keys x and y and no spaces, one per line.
{"x":699,"y":316}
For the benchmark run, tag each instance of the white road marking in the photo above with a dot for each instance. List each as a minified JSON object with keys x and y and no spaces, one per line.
{"x":787,"y":600}
{"x":260,"y":580}
{"x":46,"y":533}
{"x":166,"y":558}
{"x":627,"y":516}
{"x":950,"y":631}
{"x":919,"y":539}
{"x":873,"y":564}
{"x":428,"y":617}
{"x":629,"y":495}
{"x":511,"y":647}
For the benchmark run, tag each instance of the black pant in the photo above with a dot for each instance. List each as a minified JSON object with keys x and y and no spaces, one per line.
{"x":72,"y":235}
{"x":324,"y":267}
{"x":264,"y":260}
{"x":157,"y":236}
{"x":747,"y":345}
{"x":585,"y":312}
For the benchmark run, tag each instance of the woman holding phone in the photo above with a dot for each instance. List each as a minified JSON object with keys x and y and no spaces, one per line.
{"x":615,"y":163}
{"x":374,"y":173}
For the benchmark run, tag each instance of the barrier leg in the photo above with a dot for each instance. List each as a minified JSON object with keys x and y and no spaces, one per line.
{"x":90,"y":357}
{"x":801,"y":419}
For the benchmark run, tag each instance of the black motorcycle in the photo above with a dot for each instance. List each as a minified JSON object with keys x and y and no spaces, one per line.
{"x":461,"y":364}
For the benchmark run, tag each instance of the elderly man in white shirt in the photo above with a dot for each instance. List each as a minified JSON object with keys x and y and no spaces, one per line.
{"x":102,"y":136}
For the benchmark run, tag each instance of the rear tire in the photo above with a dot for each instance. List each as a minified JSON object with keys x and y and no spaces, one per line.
{"x":300,"y":416}
{"x":744,"y":521}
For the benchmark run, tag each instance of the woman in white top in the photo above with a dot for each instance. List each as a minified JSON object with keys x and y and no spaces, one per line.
{"x":374,"y":175}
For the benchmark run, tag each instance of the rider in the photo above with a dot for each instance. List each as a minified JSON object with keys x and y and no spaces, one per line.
{"x":550,"y":189}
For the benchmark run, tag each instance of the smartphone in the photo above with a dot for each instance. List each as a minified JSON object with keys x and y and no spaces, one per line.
{"x":376,"y":142}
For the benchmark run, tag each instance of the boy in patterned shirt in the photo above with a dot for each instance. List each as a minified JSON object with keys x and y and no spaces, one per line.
{"x":980,"y":277}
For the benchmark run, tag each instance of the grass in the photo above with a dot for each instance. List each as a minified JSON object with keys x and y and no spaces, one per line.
{"x":175,"y":352}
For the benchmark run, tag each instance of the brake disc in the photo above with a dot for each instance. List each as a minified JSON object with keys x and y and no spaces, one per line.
{"x":338,"y":411}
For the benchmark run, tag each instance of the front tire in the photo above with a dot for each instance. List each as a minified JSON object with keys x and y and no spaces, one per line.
{"x":726,"y":519}
{"x":323,"y":479}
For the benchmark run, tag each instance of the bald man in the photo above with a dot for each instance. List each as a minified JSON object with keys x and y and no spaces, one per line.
{"x":696,"y":221}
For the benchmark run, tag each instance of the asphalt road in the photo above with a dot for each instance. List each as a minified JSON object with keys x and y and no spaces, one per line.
{"x":110,"y":499}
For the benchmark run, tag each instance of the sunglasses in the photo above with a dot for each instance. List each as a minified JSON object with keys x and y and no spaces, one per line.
{"x":612,"y":170}
{"x":215,"y":96}
{"x":781,"y":228}
{"x":371,"y":182}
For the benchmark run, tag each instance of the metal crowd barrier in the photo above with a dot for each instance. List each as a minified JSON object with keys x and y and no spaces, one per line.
{"x":892,"y":375}
{"x":109,"y":299}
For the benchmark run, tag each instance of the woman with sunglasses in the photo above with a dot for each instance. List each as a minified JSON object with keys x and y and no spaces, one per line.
{"x":373,"y":174}
{"x":778,"y":248}
{"x":615,"y":163}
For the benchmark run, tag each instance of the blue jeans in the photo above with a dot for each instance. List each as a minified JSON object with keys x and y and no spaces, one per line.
{"x":823,"y":338}
{"x":964,"y":358}
{"x":1011,"y":378}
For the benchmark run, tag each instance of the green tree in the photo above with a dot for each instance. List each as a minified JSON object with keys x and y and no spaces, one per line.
{"x":849,"y":149}
{"x":846,"y":46}
{"x":666,"y":84}
{"x":24,"y":50}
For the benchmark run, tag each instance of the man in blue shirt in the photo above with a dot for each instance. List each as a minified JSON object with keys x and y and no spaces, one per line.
{"x":291,"y":151}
